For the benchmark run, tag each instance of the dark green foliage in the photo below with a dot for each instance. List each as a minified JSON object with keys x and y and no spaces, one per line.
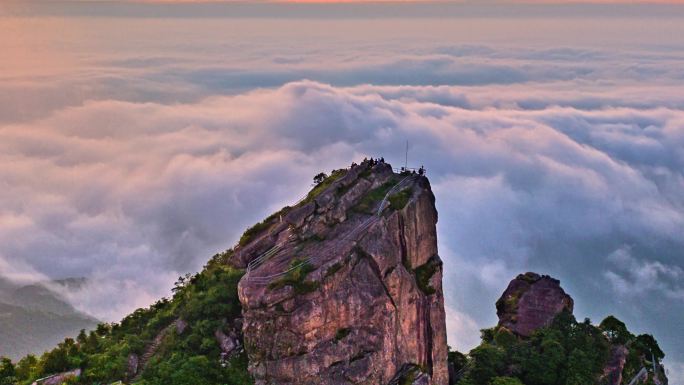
{"x":253,"y":231}
{"x":529,"y":277}
{"x":642,"y":350}
{"x":182,"y":368}
{"x":543,"y":363}
{"x":319,"y":178}
{"x":633,"y":364}
{"x":219,"y":259}
{"x":580,"y":368}
{"x":565,"y":353}
{"x":410,"y":375}
{"x":487,"y":362}
{"x":341,"y":334}
{"x":457,"y":359}
{"x":7,"y":372}
{"x":505,"y":381}
{"x":366,"y":173}
{"x":504,"y":338}
{"x":423,"y":275}
{"x":206,"y":301}
{"x":615,"y":330}
{"x":368,"y":202}
{"x":399,"y":200}
{"x":324,"y":184}
{"x":257,"y":229}
{"x":296,"y":278}
{"x":210,"y":293}
{"x":646,"y":344}
{"x":487,"y":335}
{"x":27,"y":367}
{"x":333,"y":269}
{"x":316,"y":238}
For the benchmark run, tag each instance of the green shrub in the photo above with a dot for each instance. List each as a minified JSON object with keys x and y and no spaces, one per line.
{"x":504,"y":338}
{"x":457,"y":359}
{"x":410,"y":376}
{"x":342,"y":334}
{"x":252,"y":232}
{"x":505,"y":381}
{"x":566,"y":352}
{"x":205,"y":300}
{"x":369,"y":201}
{"x":399,"y":200}
{"x":423,"y":274}
{"x":296,"y":278}
{"x":260,"y":227}
{"x":323,"y":185}
{"x":333,"y":269}
{"x":488,"y":362}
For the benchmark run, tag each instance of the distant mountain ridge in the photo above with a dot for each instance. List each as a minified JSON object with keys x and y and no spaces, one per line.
{"x":34,"y":318}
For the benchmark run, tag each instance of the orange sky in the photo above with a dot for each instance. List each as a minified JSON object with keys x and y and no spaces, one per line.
{"x":447,"y":1}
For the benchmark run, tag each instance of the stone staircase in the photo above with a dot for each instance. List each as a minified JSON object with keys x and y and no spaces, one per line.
{"x":151,"y":350}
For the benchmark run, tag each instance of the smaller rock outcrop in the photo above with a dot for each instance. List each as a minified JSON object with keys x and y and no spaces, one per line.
{"x":230,"y":340}
{"x":530,"y":302}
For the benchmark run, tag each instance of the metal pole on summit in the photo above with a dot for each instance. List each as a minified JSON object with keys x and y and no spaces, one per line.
{"x":406,"y":158}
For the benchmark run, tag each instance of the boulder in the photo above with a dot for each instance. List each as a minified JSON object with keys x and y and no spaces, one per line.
{"x":133,"y":365}
{"x":530,"y":302}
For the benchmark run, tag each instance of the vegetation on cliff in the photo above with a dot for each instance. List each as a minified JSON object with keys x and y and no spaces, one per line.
{"x":205,"y":302}
{"x":567,"y":352}
{"x":195,"y":337}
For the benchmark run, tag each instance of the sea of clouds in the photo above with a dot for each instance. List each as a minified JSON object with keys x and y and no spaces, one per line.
{"x":134,"y":158}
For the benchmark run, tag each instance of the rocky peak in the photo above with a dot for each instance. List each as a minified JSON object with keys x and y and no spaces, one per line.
{"x":531,"y":301}
{"x":346,"y":286}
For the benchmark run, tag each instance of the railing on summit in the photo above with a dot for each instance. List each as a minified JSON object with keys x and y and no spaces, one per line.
{"x":638,"y":376}
{"x":274,"y":250}
{"x":411,"y":170}
{"x":257,"y":262}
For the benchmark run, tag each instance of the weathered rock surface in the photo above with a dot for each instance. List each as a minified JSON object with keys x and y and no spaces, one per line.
{"x":530,"y":302}
{"x":133,"y":365}
{"x":612,"y":372}
{"x":364,"y":301}
{"x":230,"y":341}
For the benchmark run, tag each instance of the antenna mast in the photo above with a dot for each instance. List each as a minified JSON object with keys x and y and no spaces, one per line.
{"x":406,"y":158}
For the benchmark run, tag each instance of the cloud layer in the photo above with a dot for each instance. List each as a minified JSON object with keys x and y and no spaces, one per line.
{"x":124,"y":189}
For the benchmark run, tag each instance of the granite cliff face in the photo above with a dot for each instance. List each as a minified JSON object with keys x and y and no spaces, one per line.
{"x":531,"y":301}
{"x":346,"y":287}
